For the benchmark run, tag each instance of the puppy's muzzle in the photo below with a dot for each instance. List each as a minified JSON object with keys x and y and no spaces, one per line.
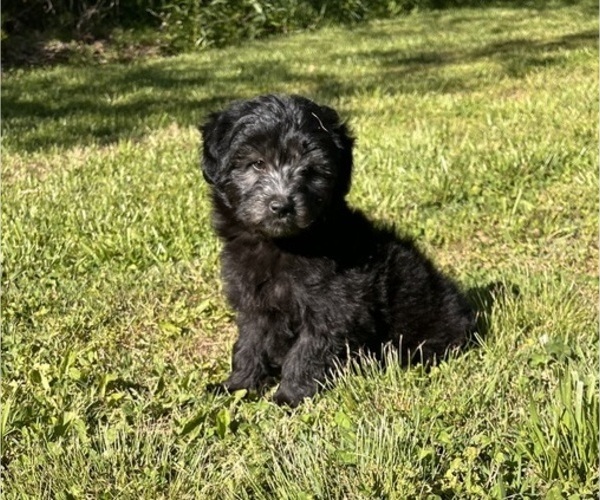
{"x":281,"y":206}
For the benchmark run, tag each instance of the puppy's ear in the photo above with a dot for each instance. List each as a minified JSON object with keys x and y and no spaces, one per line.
{"x":213,"y":133}
{"x":344,"y":142}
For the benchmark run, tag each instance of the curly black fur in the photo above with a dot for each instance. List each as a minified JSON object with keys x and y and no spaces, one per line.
{"x":310,"y":278}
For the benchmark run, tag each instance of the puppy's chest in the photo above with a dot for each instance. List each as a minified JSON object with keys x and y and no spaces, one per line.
{"x":270,"y":281}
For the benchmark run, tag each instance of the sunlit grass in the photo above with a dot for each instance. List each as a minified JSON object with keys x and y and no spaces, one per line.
{"x":477,"y":134}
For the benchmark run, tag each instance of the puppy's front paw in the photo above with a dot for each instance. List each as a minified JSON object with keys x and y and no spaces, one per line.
{"x":288,"y":397}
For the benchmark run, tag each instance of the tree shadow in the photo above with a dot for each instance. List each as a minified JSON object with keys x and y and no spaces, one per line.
{"x":69,"y":107}
{"x":518,"y":56}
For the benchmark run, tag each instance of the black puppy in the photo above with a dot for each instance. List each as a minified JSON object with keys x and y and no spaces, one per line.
{"x":310,"y":278}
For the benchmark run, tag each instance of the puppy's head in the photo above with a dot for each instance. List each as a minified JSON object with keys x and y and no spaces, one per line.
{"x":278,"y":163}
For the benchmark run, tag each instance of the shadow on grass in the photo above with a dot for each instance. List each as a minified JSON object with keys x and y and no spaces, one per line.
{"x":518,"y":57}
{"x":67,"y":107}
{"x":483,"y":300}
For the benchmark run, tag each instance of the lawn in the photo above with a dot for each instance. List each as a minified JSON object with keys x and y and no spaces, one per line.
{"x":477,"y":134}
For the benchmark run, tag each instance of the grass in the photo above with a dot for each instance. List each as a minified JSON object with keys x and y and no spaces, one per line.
{"x":477,"y":134}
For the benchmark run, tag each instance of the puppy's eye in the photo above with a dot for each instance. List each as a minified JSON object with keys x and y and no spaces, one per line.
{"x":258,"y":165}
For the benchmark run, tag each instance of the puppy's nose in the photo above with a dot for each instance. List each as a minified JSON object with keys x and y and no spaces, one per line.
{"x":281,"y":206}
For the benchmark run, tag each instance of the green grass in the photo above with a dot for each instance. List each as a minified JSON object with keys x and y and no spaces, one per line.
{"x":477,"y":134}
